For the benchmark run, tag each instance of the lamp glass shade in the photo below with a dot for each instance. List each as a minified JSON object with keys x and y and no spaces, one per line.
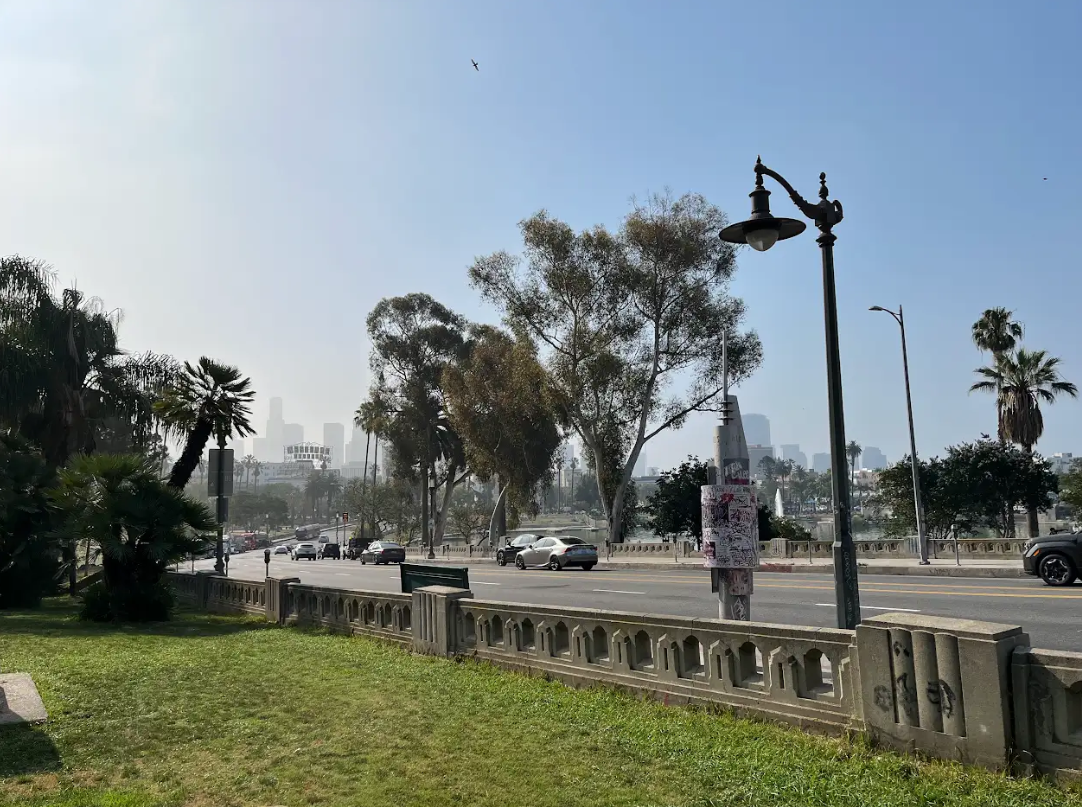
{"x":762,"y":239}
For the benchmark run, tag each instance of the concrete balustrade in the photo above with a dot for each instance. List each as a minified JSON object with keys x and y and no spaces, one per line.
{"x":949,"y":688}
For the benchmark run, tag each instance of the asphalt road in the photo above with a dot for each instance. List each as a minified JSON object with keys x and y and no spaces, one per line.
{"x":1051,"y":616}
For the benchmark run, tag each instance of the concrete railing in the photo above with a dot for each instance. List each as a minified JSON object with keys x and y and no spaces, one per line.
{"x":949,"y":688}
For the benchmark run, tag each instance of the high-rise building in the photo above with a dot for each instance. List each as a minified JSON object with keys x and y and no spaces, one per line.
{"x":755,"y":459}
{"x":791,"y":451}
{"x":873,"y":459}
{"x":292,"y":433}
{"x":273,"y":437}
{"x":334,"y":437}
{"x":640,"y":465}
{"x":820,"y":462}
{"x":756,"y":430}
{"x":261,"y":450}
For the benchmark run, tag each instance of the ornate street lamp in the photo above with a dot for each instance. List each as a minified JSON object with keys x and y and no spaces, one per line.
{"x":918,"y":503}
{"x":761,"y":231}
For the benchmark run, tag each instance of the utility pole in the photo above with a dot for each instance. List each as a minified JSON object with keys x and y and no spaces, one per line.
{"x":730,"y":517}
{"x":220,"y":486}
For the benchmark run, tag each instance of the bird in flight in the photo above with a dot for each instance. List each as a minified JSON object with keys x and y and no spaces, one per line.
{"x":475,"y":67}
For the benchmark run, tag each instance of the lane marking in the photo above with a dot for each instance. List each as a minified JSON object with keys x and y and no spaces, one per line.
{"x":873,"y":608}
{"x":616,"y":591}
{"x":482,"y":583}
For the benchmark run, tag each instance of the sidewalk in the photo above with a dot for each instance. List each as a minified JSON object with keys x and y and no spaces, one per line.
{"x":906,"y":566}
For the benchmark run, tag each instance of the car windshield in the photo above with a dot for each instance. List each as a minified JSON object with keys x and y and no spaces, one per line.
{"x":389,"y":545}
{"x":571,"y":541}
{"x":524,"y":540}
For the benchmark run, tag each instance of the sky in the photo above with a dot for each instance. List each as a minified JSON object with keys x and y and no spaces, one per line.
{"x":245,"y":179}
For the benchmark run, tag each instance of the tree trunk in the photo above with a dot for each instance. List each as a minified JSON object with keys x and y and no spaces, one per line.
{"x":189,"y":458}
{"x":497,"y":525}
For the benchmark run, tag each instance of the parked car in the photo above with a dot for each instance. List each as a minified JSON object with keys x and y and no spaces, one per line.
{"x":556,"y":553}
{"x":331,"y":550}
{"x":281,"y":550}
{"x":305,"y":550}
{"x":383,"y":552}
{"x":506,"y":553}
{"x":1057,"y":559}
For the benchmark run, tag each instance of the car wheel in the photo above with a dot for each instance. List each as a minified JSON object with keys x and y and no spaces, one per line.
{"x":554,"y":564}
{"x":1057,"y":570}
{"x":500,"y":559}
{"x":587,"y":567}
{"x":519,"y":562}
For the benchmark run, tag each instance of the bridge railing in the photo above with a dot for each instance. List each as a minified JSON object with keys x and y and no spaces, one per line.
{"x":950,"y":688}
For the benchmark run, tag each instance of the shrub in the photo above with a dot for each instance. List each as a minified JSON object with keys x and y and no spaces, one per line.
{"x":29,"y":551}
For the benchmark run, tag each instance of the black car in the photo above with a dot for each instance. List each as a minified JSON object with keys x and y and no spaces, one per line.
{"x":1055,"y":558}
{"x":331,"y":550}
{"x":383,"y":552}
{"x":506,"y":553}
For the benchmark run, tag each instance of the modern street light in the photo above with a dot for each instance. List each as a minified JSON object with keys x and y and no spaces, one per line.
{"x":918,"y":501}
{"x":761,"y":231}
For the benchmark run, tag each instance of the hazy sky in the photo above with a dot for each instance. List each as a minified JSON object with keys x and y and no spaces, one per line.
{"x":247,"y":178}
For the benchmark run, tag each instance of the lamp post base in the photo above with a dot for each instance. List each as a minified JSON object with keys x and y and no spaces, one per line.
{"x":846,"y":596}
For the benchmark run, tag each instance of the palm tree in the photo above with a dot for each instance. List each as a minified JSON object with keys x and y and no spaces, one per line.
{"x":65,"y":383}
{"x":247,"y":463}
{"x":142,"y":525}
{"x":210,"y":399}
{"x":996,"y":332}
{"x":853,"y":452}
{"x":257,"y":469}
{"x":1023,"y":379}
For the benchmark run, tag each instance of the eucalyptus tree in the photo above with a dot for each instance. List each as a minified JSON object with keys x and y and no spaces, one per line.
{"x":629,"y":323}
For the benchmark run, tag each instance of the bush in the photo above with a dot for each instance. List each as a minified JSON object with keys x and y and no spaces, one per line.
{"x":151,"y":602}
{"x":29,"y":552}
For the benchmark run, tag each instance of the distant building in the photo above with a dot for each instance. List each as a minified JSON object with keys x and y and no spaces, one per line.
{"x":292,"y":433}
{"x":756,"y":429}
{"x":791,"y":451}
{"x":291,"y":473}
{"x":652,"y":471}
{"x":1062,"y":461}
{"x":873,"y":459}
{"x":820,"y":463}
{"x":274,"y":438}
{"x":261,"y":450}
{"x":334,"y":437}
{"x":308,"y":452}
{"x":640,"y":465}
{"x":755,"y":458}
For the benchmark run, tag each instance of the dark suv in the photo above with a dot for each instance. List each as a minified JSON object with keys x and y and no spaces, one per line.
{"x":331,"y":550}
{"x":1056,"y":558}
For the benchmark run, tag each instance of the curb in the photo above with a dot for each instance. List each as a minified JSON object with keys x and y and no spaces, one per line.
{"x":1001,"y":572}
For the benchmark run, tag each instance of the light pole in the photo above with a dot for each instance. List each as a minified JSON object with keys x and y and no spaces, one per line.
{"x":918,"y":501}
{"x":761,"y":231}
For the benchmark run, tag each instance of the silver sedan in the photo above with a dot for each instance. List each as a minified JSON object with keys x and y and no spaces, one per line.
{"x":557,"y":552}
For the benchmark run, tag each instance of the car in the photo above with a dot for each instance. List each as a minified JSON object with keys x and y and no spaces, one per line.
{"x":510,"y":549}
{"x":330,"y":550}
{"x":1056,"y":559}
{"x":324,"y":539}
{"x":383,"y":552}
{"x":305,"y":550}
{"x":557,"y":552}
{"x":281,"y":550}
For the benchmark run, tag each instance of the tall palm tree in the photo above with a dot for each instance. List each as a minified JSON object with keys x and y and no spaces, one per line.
{"x":997,"y":332}
{"x":1022,"y":380}
{"x":209,"y":399}
{"x":853,"y":452}
{"x":257,"y":469}
{"x":247,"y":463}
{"x":65,"y":383}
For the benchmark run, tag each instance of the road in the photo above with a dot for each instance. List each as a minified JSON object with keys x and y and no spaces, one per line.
{"x":1052,"y":616}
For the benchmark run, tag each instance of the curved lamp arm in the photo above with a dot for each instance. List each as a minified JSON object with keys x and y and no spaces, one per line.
{"x":825,"y":214}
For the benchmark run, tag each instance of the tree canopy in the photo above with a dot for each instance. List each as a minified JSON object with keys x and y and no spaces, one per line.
{"x":630,"y":324}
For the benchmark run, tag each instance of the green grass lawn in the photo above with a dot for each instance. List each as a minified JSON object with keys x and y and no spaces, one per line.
{"x":227,"y":711}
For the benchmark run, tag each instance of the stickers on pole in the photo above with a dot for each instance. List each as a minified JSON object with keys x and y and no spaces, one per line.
{"x":730,"y":527}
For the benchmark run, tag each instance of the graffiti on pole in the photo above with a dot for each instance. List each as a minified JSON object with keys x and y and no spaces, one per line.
{"x":730,"y":527}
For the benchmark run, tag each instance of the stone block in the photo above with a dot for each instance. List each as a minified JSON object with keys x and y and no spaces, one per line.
{"x":19,"y":700}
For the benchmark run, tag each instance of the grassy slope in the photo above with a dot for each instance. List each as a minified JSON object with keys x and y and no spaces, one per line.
{"x":210,"y":710}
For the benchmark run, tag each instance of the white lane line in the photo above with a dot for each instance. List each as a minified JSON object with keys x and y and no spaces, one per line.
{"x":872,"y":608}
{"x":481,"y":583}
{"x":616,"y":591}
